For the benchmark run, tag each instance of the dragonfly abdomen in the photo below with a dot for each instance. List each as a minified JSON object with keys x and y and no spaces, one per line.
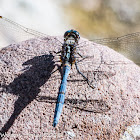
{"x":61,"y":94}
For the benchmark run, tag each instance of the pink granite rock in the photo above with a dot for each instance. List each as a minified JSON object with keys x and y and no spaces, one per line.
{"x":29,"y":83}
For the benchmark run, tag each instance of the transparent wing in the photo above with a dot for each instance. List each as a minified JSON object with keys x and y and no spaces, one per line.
{"x":128,"y":45}
{"x":11,"y":32}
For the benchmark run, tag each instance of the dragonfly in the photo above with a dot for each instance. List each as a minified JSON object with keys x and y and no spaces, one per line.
{"x":69,"y":54}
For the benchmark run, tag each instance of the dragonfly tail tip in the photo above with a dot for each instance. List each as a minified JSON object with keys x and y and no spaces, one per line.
{"x":54,"y":124}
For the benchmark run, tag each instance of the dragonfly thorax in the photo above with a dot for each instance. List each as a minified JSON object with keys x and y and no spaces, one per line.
{"x":68,"y":53}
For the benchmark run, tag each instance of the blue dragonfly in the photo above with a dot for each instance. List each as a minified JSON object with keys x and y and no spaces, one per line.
{"x":68,"y":53}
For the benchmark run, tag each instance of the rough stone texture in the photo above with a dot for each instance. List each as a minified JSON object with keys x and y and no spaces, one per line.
{"x":29,"y":83}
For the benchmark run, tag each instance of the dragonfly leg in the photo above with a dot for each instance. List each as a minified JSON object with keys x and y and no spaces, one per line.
{"x":83,"y":57}
{"x":54,"y":52}
{"x":58,"y":69}
{"x":89,"y":83}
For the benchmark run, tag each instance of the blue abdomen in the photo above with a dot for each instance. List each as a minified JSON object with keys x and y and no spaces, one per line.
{"x":61,"y":95}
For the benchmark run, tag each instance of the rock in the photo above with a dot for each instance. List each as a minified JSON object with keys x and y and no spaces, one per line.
{"x":70,"y":133}
{"x":29,"y":83}
{"x":131,"y":133}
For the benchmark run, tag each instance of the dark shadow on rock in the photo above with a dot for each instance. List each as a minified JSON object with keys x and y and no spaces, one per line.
{"x":96,"y":106}
{"x":27,"y":85}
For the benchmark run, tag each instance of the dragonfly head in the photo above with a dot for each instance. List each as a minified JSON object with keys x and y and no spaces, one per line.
{"x":71,"y":37}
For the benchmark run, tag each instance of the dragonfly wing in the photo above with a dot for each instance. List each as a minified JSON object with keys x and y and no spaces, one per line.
{"x":128,"y":45}
{"x":12,"y":32}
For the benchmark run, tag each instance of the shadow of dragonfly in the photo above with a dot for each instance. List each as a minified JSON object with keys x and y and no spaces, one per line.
{"x":27,"y":85}
{"x":96,"y":106}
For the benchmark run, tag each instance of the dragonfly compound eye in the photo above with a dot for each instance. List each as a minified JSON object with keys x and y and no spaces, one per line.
{"x":75,"y":34}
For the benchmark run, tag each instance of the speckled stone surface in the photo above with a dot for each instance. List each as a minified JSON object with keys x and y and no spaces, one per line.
{"x":29,"y":83}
